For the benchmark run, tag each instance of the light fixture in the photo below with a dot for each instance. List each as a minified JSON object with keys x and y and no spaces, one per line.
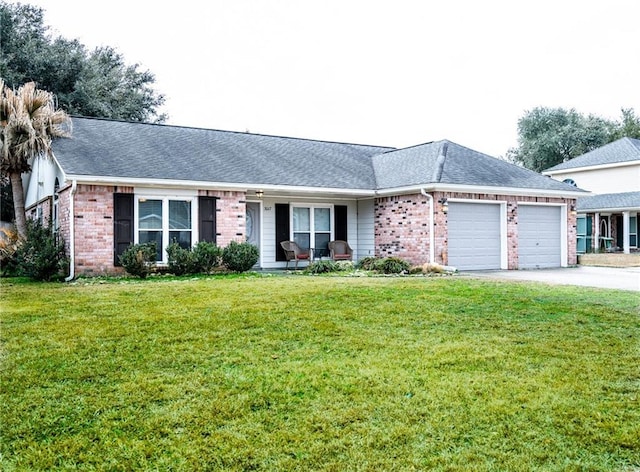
{"x":445,"y":205}
{"x":573,"y":210}
{"x":259,"y":193}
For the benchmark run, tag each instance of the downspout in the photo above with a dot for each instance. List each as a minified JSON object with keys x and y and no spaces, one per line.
{"x":432,"y":236}
{"x":72,"y":239}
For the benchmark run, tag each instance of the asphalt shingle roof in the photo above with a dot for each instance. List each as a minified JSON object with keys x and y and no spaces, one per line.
{"x":117,"y":149}
{"x":147,"y":151}
{"x":622,"y":150}
{"x":445,"y":162}
{"x":609,"y":201}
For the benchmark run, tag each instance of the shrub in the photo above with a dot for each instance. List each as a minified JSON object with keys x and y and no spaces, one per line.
{"x":367,"y":263}
{"x":392,"y":265}
{"x":321,"y":267}
{"x":181,"y":261}
{"x":208,"y":256}
{"x":344,"y":266}
{"x":202,"y":259}
{"x":41,"y":255}
{"x":8,"y":249}
{"x":239,"y":257}
{"x":139,"y":259}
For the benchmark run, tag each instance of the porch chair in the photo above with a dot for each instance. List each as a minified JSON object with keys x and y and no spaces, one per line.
{"x":293,"y":252}
{"x":340,"y":251}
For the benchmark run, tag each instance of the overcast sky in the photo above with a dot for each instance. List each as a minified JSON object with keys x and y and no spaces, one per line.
{"x":393,"y":73}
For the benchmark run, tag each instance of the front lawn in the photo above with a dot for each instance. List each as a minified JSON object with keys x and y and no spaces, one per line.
{"x":323,"y":374}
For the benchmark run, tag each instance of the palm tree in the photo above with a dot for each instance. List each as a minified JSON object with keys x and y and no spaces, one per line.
{"x":29,"y":122}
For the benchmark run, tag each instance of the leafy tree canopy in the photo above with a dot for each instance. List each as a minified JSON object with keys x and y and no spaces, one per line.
{"x":96,"y":83}
{"x":550,"y":136}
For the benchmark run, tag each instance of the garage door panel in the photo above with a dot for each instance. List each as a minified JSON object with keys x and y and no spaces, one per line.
{"x":474,"y":236}
{"x":539,"y":229}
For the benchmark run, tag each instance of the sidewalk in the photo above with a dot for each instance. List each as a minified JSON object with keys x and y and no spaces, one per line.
{"x":588,"y":276}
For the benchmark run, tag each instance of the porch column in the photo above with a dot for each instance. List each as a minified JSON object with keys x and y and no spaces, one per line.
{"x":625,"y":232}
{"x":596,"y":232}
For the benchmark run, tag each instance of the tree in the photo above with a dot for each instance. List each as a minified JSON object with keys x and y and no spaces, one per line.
{"x":96,"y":83}
{"x":29,"y":121}
{"x":549,"y":136}
{"x":628,"y":126}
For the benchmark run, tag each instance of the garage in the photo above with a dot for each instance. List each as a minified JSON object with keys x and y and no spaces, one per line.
{"x":474,"y":236}
{"x":539,"y":236}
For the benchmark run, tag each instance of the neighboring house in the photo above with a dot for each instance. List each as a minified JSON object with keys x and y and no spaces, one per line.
{"x":116,"y":183}
{"x":607,"y":220}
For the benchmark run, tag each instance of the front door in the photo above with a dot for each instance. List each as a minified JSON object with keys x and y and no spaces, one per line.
{"x":253,"y":224}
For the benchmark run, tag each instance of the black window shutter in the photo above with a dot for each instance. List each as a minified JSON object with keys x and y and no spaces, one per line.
{"x":122,"y":224}
{"x":207,"y":219}
{"x":282,"y":229}
{"x":340,"y":222}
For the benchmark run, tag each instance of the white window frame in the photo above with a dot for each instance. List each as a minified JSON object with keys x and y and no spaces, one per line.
{"x":165,"y":199}
{"x":633,"y":230}
{"x":312,"y":232}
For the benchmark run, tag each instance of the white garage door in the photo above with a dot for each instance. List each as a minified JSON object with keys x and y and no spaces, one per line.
{"x":539,"y":236}
{"x":474,"y":236}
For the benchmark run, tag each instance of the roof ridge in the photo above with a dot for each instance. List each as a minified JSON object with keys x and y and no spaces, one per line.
{"x":388,"y":148}
{"x":440,"y":160}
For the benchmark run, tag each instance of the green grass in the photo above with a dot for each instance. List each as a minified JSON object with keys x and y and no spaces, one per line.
{"x":315,"y":373}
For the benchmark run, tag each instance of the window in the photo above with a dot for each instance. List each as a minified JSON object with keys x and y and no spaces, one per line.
{"x":164,"y":221}
{"x":584,"y":232}
{"x":312,"y":226}
{"x":633,"y":231}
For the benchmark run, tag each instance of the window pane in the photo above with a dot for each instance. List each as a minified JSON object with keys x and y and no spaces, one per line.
{"x":179,"y":214}
{"x":301,"y":219}
{"x":183,"y":238}
{"x":581,"y":225}
{"x":322,"y":219}
{"x":152,"y":236}
{"x":322,"y":240}
{"x":150,"y":214}
{"x":302,"y":239}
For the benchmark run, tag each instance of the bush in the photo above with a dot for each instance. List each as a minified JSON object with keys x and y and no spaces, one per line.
{"x":139,"y":260}
{"x":202,"y":259}
{"x":9,"y":243}
{"x":321,"y":267}
{"x":41,"y":255}
{"x":392,"y":265}
{"x":344,"y":266}
{"x":208,"y":256}
{"x":367,"y":263}
{"x":239,"y":257}
{"x":181,"y":261}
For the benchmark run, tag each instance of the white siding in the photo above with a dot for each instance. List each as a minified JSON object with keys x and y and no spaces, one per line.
{"x":609,"y":180}
{"x":366,"y":231}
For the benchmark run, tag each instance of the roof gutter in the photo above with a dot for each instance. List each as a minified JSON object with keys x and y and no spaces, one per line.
{"x":72,"y":239}
{"x":569,"y":170}
{"x":512,"y":191}
{"x":432,"y":236}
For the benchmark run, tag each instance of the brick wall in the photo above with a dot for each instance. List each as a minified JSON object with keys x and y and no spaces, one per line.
{"x":402,"y":226}
{"x":231,"y":215}
{"x":93,"y":221}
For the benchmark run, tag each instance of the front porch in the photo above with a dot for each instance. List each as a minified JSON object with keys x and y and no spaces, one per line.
{"x":610,"y":259}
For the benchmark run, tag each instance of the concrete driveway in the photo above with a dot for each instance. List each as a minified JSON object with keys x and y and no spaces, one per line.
{"x":587,"y":276}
